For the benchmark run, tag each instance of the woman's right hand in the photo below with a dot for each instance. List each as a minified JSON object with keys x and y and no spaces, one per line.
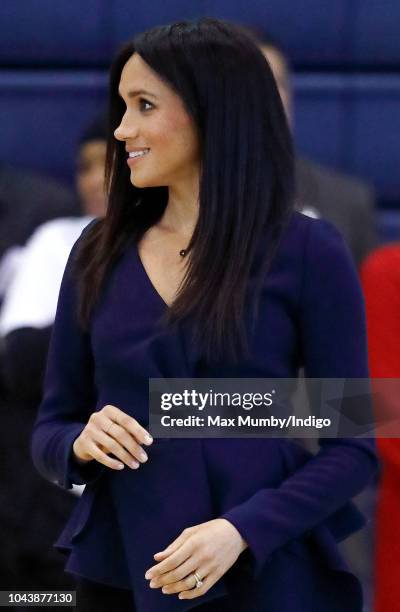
{"x":112,"y":431}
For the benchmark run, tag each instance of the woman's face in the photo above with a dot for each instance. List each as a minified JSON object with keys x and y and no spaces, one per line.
{"x":157,"y":126}
{"x":90,"y":177}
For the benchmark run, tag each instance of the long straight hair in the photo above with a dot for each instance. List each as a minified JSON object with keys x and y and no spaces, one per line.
{"x":246,"y":179}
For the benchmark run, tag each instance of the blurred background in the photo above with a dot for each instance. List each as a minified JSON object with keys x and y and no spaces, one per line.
{"x":337,"y":66}
{"x":345,"y":57}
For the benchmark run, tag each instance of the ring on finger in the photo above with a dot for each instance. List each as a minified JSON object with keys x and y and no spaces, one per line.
{"x":199,"y":581}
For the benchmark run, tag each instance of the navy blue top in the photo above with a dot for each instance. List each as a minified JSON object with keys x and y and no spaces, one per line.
{"x":272,"y":490}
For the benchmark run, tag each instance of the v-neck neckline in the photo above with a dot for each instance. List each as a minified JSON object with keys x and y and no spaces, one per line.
{"x":149,"y":281}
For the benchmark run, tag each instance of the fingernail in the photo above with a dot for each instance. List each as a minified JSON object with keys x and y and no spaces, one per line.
{"x":134,"y":464}
{"x":148,"y":439}
{"x":143,"y":456}
{"x":120,"y":466}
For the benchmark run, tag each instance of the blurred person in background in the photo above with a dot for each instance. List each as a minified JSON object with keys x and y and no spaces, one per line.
{"x":321,"y":192}
{"x":31,"y":299}
{"x":32,"y":510}
{"x":380,"y":276}
{"x":26,"y":201}
{"x":349,"y":204}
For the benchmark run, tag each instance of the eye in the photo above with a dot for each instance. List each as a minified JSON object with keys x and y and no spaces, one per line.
{"x":145,"y":105}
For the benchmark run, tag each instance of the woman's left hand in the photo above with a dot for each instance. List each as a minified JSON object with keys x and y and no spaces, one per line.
{"x":209,"y":549}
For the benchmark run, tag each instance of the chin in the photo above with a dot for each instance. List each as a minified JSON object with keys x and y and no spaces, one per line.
{"x":142,"y":182}
{"x":138,"y":183}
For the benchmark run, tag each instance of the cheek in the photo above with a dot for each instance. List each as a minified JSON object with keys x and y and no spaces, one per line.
{"x":178,"y":135}
{"x":189,"y":141}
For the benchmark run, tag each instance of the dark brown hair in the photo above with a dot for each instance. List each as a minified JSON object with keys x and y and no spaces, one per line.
{"x":246,"y":182}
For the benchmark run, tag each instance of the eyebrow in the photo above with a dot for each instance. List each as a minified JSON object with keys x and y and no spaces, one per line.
{"x":137,"y":92}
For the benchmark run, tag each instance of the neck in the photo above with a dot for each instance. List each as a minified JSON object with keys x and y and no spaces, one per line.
{"x":182,"y":210}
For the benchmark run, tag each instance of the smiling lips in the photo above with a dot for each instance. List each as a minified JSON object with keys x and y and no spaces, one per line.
{"x":135,"y":154}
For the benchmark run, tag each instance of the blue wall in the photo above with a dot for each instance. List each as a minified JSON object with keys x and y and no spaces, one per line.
{"x":54,"y":58}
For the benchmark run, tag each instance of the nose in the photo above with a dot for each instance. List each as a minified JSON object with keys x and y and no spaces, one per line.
{"x":125,"y":130}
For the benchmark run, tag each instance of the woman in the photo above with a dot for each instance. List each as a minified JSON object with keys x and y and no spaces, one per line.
{"x":200,"y":269}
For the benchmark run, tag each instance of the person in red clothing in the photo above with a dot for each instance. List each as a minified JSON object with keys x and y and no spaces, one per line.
{"x":380,"y":277}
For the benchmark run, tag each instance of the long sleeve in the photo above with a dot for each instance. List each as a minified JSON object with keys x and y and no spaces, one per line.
{"x":333,"y":342}
{"x":69,"y":393}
